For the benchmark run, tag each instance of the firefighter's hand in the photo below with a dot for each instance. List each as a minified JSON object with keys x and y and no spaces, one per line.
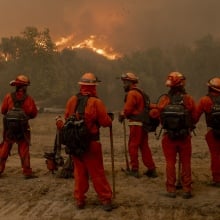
{"x":59,"y":122}
{"x":111,"y":115}
{"x":154,"y":113}
{"x":121,"y":117}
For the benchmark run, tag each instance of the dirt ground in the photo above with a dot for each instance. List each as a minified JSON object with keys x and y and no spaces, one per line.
{"x":49,"y":197}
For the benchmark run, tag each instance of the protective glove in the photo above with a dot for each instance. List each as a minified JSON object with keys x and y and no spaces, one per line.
{"x":59,"y":122}
{"x":121,"y":117}
{"x":154,"y":113}
{"x":111,"y":115}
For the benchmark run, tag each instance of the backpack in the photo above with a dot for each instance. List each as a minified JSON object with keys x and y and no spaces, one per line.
{"x":149,"y":124}
{"x":213,"y":118}
{"x":15,"y":120}
{"x":175,"y":118}
{"x":75,"y":133}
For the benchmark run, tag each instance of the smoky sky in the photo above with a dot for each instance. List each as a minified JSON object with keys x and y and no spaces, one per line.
{"x":126,"y":25}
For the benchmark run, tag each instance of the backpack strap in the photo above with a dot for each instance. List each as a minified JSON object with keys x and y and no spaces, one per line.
{"x":177,"y":99}
{"x":81,"y":104}
{"x":145,"y":97}
{"x":18,"y":102}
{"x":215,"y":99}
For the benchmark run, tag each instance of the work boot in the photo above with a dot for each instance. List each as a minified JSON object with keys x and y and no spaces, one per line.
{"x":80,"y":204}
{"x":170,"y":195}
{"x":107,"y":207}
{"x":214,"y":184}
{"x":30,"y":176}
{"x":187,"y":195}
{"x":133,"y":173}
{"x":151,"y":173}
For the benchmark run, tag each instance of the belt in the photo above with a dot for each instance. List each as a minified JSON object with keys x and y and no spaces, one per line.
{"x":137,"y":123}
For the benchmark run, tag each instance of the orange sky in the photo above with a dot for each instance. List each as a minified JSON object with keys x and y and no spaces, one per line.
{"x":124,"y":24}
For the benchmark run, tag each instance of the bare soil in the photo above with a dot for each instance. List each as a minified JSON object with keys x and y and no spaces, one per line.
{"x":49,"y":197}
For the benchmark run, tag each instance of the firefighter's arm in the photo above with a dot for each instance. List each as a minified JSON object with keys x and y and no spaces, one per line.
{"x":130,"y":104}
{"x":30,"y":107}
{"x":6,"y":104}
{"x":204,"y":105}
{"x":103,"y":118}
{"x":191,"y":106}
{"x":163,"y":102}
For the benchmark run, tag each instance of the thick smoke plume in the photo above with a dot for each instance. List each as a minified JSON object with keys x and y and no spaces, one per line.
{"x":126,"y":25}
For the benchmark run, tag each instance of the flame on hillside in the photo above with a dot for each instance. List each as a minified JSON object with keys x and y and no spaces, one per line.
{"x":90,"y":43}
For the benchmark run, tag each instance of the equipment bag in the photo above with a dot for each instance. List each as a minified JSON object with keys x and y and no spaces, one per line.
{"x":149,"y":124}
{"x":213,"y":118}
{"x":75,"y":133}
{"x":15,"y":120}
{"x":175,"y":118}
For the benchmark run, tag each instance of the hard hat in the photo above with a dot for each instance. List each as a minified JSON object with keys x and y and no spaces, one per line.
{"x":175,"y":79}
{"x":89,"y":79}
{"x":21,"y":80}
{"x":214,"y":83}
{"x":129,"y":77}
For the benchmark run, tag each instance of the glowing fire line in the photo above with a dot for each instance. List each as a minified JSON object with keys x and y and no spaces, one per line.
{"x":89,"y":43}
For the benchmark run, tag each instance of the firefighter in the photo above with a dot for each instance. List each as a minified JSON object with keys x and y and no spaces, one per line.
{"x":178,"y":141}
{"x":205,"y":106}
{"x":23,"y":141}
{"x":90,"y":164}
{"x":138,"y":137}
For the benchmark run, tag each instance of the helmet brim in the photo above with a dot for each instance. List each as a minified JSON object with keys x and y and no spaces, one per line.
{"x":16,"y":83}
{"x":88,"y":84}
{"x":212,"y":87}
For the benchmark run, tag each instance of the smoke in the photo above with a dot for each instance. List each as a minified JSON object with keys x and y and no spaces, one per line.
{"x":126,"y":25}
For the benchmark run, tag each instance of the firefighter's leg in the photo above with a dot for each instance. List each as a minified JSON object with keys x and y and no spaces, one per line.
{"x":170,"y":152}
{"x":23,"y":150}
{"x":4,"y":152}
{"x":214,"y":150}
{"x":185,"y":158}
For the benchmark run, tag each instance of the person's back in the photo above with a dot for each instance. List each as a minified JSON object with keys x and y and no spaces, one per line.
{"x":90,"y":164}
{"x":209,"y":105}
{"x":27,"y":104}
{"x":174,"y":141}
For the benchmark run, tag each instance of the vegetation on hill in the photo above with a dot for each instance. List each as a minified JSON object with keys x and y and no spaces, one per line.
{"x":54,"y":74}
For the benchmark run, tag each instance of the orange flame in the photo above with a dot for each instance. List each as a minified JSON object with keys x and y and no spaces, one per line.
{"x":89,"y":43}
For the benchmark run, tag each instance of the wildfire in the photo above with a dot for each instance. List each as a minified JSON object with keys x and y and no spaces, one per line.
{"x":89,"y":43}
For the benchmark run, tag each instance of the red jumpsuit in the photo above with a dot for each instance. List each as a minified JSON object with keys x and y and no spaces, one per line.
{"x":182,"y":147}
{"x":91,"y":164}
{"x":30,"y":109}
{"x":204,"y":106}
{"x":138,"y":137}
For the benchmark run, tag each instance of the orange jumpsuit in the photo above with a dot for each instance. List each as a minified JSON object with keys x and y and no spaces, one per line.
{"x":91,"y":164}
{"x":30,"y":109}
{"x":204,"y":106}
{"x":182,"y":147}
{"x":138,"y":138}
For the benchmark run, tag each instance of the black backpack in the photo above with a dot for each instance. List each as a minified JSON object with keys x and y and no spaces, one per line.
{"x":15,"y":120}
{"x":213,"y":118}
{"x":175,"y":118}
{"x":75,"y":133}
{"x":149,"y":124}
